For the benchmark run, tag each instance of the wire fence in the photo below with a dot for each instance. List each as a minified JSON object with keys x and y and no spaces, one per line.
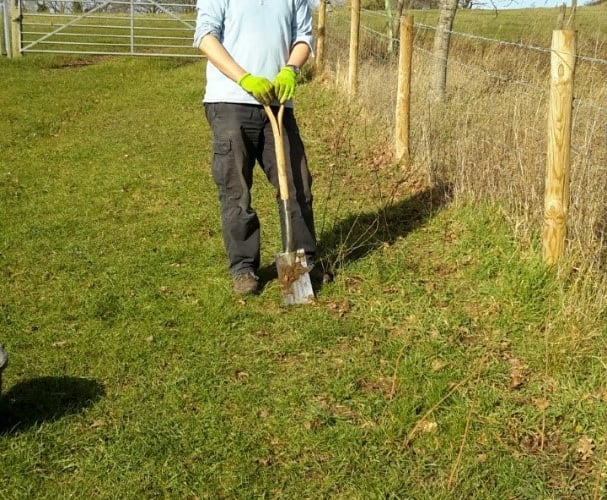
{"x":488,"y":140}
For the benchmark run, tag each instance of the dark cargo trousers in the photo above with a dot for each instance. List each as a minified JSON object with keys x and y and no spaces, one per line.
{"x":242,"y":135}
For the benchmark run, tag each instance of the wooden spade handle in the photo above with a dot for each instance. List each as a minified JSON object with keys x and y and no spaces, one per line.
{"x":279,"y":146}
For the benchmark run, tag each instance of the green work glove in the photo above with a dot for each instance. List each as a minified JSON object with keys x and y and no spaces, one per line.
{"x":259,"y":87}
{"x":284,"y":84}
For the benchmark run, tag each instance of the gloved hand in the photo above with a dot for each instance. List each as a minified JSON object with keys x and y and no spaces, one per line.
{"x":284,"y":84}
{"x":259,"y":87}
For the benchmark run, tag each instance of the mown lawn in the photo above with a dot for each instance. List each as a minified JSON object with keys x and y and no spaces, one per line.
{"x":433,"y":367}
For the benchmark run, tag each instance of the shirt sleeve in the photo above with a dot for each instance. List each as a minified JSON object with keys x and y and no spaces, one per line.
{"x":209,"y":20}
{"x":301,"y":27}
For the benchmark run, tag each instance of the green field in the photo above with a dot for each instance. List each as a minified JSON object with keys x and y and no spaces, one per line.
{"x":443,"y":362}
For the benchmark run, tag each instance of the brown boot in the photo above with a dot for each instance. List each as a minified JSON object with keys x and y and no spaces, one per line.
{"x":245,"y":283}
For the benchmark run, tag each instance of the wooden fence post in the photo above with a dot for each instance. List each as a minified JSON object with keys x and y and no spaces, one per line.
{"x":321,"y":36}
{"x":354,"y":42}
{"x":556,"y":198}
{"x":403,"y":96}
{"x":15,"y":17}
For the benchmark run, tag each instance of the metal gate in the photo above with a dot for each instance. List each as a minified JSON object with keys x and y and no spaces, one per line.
{"x":113,"y":27}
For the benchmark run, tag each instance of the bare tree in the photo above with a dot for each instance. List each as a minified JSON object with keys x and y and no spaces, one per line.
{"x":400,"y":6}
{"x":389,"y":25}
{"x":393,"y":20}
{"x":440,"y":52}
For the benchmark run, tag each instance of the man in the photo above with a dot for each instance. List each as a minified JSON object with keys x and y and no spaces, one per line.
{"x":255,"y":49}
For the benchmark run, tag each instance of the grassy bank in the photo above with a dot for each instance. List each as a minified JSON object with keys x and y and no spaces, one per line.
{"x":442,"y":362}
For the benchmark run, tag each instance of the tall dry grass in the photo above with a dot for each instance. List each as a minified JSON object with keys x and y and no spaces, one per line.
{"x":487,"y":140}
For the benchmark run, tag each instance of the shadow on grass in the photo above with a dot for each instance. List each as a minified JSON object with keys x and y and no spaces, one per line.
{"x":358,"y":235}
{"x":45,"y":399}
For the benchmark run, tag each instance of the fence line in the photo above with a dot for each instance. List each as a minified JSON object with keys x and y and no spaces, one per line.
{"x":379,"y":33}
{"x":478,"y":69}
{"x":490,"y":139}
{"x":487,"y":39}
{"x":453,"y":61}
{"x":509,"y":79}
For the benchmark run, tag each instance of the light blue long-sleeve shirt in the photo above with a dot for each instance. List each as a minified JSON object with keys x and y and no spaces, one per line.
{"x":258,"y":34}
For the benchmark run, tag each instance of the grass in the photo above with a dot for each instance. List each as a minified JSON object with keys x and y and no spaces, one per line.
{"x":441,"y":363}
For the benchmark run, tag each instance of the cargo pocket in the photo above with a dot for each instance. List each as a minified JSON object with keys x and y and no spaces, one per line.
{"x":222,"y":146}
{"x":224,"y":173}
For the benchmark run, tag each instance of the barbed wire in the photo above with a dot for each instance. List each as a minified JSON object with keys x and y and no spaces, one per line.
{"x":589,"y":104}
{"x":488,"y":39}
{"x":504,"y":78}
{"x":591,"y":59}
{"x":374,"y":13}
{"x":375,"y":32}
{"x":491,"y":74}
{"x":452,"y":60}
{"x":513,"y":44}
{"x":520,"y":45}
